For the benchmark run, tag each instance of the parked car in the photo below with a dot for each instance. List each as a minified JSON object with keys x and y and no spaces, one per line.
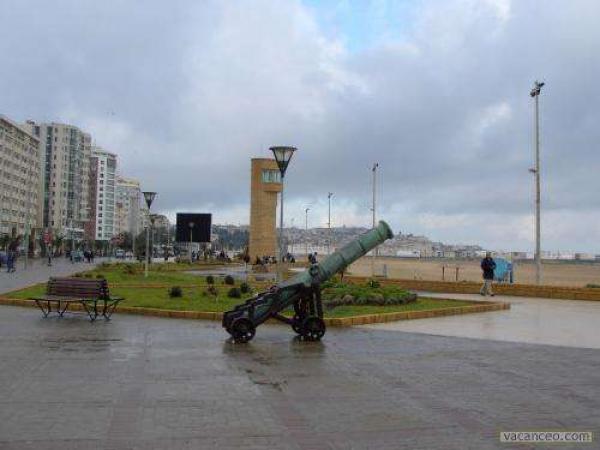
{"x":120,"y":254}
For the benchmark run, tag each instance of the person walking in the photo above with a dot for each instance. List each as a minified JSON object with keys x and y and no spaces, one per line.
{"x":487,"y":266}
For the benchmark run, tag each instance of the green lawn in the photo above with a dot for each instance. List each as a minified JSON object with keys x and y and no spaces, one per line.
{"x":194,"y":300}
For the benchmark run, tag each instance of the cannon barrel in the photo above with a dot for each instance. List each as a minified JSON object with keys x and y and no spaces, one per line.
{"x":269,"y":304}
{"x":342,"y":258}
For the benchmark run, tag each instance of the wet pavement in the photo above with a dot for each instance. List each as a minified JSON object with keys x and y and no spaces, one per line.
{"x":153,"y":383}
{"x":572,"y":323}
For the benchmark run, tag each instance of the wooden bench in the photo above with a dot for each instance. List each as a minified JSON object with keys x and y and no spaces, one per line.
{"x":89,"y":293}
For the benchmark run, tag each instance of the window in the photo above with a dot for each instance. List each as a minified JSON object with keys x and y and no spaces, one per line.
{"x":271,"y":176}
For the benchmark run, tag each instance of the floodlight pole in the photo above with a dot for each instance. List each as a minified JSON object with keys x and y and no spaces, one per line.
{"x":306,"y":229}
{"x":149,"y":197}
{"x":373,"y":209}
{"x":535,"y":93}
{"x":191,"y":225}
{"x":329,"y":195}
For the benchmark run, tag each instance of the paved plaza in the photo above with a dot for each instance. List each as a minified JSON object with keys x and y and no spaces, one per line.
{"x":38,"y":271}
{"x":153,"y":383}
{"x":571,"y":323}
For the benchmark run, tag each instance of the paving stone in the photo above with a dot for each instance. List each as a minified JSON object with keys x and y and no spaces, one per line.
{"x":151,"y":383}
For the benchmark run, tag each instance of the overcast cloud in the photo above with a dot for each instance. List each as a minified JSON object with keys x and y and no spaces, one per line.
{"x":435,"y":91}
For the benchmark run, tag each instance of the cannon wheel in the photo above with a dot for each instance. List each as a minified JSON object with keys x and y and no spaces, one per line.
{"x":300,"y":314}
{"x":313,"y":328}
{"x":242,"y":330}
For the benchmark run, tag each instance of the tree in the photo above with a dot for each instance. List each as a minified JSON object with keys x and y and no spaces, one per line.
{"x":140,"y":243}
{"x":4,"y":240}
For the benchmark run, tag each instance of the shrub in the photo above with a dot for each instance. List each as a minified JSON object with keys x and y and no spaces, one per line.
{"x":373,"y":284}
{"x":78,"y":275}
{"x":100,"y":276}
{"x":234,"y":293}
{"x":175,"y":291}
{"x":210,"y":279}
{"x":345,"y":294}
{"x":129,"y":269}
{"x":229,"y":280}
{"x":104,"y":265}
{"x":592,"y":285}
{"x":245,"y":288}
{"x":212,"y":290}
{"x":88,"y":275}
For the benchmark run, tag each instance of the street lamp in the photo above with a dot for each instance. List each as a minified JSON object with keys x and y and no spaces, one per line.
{"x":283,"y":156}
{"x":535,"y":93}
{"x":375,"y":167}
{"x":149,"y":198}
{"x":306,"y":229}
{"x":191,"y":225}
{"x":329,"y":195}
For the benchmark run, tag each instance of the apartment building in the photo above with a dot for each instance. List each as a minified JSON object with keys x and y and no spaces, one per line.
{"x":65,"y":153}
{"x":20,"y":179}
{"x":127,"y":206}
{"x":103,"y":174}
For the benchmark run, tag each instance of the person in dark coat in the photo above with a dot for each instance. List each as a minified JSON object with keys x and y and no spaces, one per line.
{"x":487,"y":266}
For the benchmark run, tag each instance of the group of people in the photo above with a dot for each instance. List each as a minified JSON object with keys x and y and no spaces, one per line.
{"x":10,"y":256}
{"x":89,"y":255}
{"x":265,"y":260}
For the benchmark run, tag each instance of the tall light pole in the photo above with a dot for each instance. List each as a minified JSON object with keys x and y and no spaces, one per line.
{"x":306,"y":228}
{"x":535,"y":94}
{"x":291,"y":234}
{"x":72,"y":243}
{"x":149,"y":197}
{"x":329,"y":195}
{"x":191,"y":225}
{"x":283,"y":156}
{"x":27,"y":230}
{"x":374,"y":210}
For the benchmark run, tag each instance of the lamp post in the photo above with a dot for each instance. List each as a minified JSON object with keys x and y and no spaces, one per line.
{"x":152,"y":220}
{"x":291,"y":236}
{"x":191,"y":225}
{"x":149,"y":198}
{"x":535,"y":93}
{"x":306,"y":229}
{"x":72,"y":243}
{"x":375,"y":166}
{"x":329,"y":195}
{"x":283,"y":156}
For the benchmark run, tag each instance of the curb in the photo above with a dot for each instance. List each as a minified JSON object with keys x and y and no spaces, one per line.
{"x":467,"y":287}
{"x":477,"y":307}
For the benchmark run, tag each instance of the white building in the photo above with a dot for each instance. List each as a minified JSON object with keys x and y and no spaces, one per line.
{"x":65,"y":157}
{"x":20,"y":179}
{"x":103,"y":170}
{"x":127,"y":206}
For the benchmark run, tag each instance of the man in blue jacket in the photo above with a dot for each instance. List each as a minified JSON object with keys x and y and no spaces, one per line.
{"x":487,"y":266}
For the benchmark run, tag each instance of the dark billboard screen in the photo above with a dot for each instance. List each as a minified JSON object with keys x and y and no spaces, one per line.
{"x":198,"y":224}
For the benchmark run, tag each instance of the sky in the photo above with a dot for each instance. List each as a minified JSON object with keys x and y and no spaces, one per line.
{"x":435,"y":91}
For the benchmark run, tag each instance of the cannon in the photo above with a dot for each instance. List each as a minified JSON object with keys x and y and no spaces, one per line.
{"x":301,"y":292}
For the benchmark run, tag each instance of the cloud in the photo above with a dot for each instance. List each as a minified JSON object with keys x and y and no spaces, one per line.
{"x":187,"y":93}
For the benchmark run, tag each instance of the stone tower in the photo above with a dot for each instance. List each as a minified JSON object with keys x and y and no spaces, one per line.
{"x":265,"y":184}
